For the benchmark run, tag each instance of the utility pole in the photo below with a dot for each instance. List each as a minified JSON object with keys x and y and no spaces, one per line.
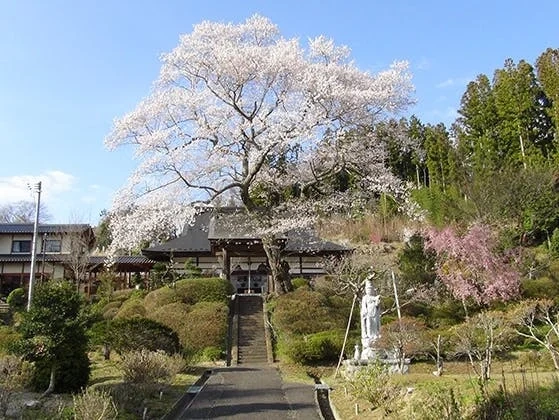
{"x":37,"y":189}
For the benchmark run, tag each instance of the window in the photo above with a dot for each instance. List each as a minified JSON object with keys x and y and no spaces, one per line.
{"x":21,"y":246}
{"x":52,"y":245}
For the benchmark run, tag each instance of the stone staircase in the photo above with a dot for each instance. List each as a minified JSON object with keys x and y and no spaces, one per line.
{"x":252,"y":336}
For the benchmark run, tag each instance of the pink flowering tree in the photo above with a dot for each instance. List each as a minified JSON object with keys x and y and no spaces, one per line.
{"x":470,"y":266}
{"x":237,"y":110}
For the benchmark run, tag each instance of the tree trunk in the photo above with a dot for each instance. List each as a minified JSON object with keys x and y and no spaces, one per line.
{"x":554,"y":357}
{"x":279,"y":269}
{"x":50,"y":389}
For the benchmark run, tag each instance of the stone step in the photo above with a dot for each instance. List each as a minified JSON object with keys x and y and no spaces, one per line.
{"x":251,"y":334}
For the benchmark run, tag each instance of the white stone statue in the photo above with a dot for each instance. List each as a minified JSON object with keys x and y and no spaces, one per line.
{"x":370,"y":316}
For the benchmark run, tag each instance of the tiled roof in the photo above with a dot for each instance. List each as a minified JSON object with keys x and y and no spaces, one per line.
{"x":60,"y":258}
{"x":124,"y":259}
{"x":16,"y":258}
{"x":42,"y":228}
{"x":235,"y":224}
{"x":193,"y":240}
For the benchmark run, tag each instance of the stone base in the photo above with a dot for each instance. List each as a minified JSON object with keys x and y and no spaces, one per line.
{"x":371,"y":356}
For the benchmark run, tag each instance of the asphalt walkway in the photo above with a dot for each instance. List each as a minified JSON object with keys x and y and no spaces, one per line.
{"x":252,"y":392}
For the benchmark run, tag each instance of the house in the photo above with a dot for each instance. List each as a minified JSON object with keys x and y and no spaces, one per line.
{"x":56,"y":246}
{"x":225,"y":242}
{"x":63,"y":251}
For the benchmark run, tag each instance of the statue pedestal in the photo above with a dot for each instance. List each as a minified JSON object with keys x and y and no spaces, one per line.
{"x":375,"y":355}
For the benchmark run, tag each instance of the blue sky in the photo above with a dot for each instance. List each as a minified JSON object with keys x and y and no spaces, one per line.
{"x":68,"y":68}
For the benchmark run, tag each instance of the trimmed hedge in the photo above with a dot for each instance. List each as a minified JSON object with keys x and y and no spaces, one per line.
{"x":132,"y":308}
{"x":214,"y":289}
{"x":159,"y":298}
{"x":316,"y":348}
{"x":205,"y":326}
{"x":142,"y":333}
{"x":305,"y":312}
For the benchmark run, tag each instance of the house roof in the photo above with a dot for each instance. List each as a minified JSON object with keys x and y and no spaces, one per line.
{"x":234,"y":224}
{"x":24,"y":258}
{"x":42,"y":228}
{"x":61,"y":258}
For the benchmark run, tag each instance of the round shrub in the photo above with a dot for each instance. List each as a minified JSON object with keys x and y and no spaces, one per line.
{"x":160,"y":297}
{"x":16,"y":299}
{"x":110,"y":313}
{"x":111,"y":305}
{"x":122,"y":295}
{"x":173,"y":316}
{"x":142,"y":333}
{"x":299,"y":282}
{"x":131,"y":308}
{"x":212,"y":289}
{"x":205,"y":326}
{"x":305,"y":312}
{"x":315,"y":348}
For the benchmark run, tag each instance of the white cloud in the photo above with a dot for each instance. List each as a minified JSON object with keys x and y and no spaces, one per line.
{"x":19,"y":187}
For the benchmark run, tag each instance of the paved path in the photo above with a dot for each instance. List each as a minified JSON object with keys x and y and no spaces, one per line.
{"x":252,"y":392}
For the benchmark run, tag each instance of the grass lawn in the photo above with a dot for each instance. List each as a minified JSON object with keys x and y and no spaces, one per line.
{"x":458,"y":376}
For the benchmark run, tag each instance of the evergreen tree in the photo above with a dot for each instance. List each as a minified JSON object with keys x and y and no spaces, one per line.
{"x":476,"y":127}
{"x":547,"y":68}
{"x":440,"y":156}
{"x":54,"y":336}
{"x":523,"y":124}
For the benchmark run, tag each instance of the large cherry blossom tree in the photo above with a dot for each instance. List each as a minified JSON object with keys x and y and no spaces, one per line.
{"x":231,"y":103}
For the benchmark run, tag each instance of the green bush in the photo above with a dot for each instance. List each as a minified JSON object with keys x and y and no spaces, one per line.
{"x":110,"y":313}
{"x":131,"y":308}
{"x":214,"y":289}
{"x":122,"y":295}
{"x":212,"y":354}
{"x":542,"y":287}
{"x":111,"y":305}
{"x":159,"y":298}
{"x":305,"y":312}
{"x":173,"y":316}
{"x":54,"y":336}
{"x":8,"y":336}
{"x":136,"y":334}
{"x":205,"y":325}
{"x":299,"y":282}
{"x":72,"y":372}
{"x":322,"y":347}
{"x":17,"y":299}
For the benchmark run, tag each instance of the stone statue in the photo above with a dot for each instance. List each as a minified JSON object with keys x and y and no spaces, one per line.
{"x":370,"y":316}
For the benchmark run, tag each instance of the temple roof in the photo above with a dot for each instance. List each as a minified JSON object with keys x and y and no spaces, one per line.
{"x":227,"y":224}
